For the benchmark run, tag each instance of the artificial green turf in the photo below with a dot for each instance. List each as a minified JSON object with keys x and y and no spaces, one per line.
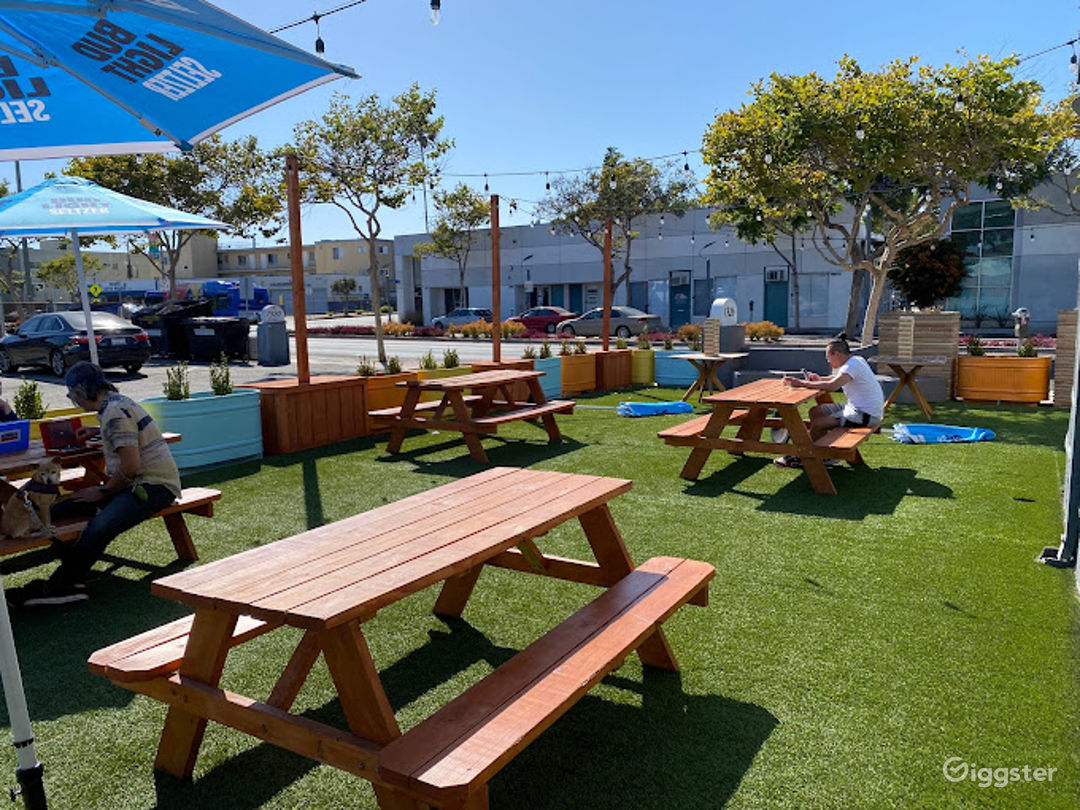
{"x":852,"y":643}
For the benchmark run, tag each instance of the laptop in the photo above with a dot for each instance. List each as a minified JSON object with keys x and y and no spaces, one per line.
{"x":62,"y":435}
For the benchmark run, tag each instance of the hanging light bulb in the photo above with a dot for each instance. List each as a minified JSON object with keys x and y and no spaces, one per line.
{"x":414,"y":195}
{"x":436,"y":12}
{"x":660,"y":236}
{"x":686,"y":163}
{"x":661,"y":220}
{"x":692,"y":240}
{"x":958,"y":105}
{"x":320,"y":46}
{"x":999,"y":185}
{"x":860,"y":133}
{"x":547,"y":182}
{"x":726,"y":243}
{"x":1072,"y":63}
{"x":486,"y":182}
{"x":612,"y":184}
{"x":768,"y":157}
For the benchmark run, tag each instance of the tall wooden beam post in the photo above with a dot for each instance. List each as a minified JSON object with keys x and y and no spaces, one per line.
{"x":296,"y":256}
{"x":496,"y":284}
{"x":605,"y":328}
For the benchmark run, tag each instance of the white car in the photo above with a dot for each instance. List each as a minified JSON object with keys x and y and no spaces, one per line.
{"x":462,"y":316}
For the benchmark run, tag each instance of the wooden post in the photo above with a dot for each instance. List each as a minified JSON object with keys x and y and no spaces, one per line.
{"x":605,"y":328}
{"x":496,"y":284}
{"x":296,"y":255}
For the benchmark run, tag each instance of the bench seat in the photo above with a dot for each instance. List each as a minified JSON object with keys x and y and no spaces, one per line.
{"x":695,"y":426}
{"x":157,"y":653}
{"x":431,"y":405}
{"x":448,"y":759}
{"x":531,"y":411}
{"x":843,"y":442}
{"x":192,"y":500}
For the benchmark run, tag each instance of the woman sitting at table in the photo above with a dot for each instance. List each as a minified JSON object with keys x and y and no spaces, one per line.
{"x":865,"y":404}
{"x":143,"y":480}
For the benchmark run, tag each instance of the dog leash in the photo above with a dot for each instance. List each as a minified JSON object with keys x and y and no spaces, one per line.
{"x":46,"y":489}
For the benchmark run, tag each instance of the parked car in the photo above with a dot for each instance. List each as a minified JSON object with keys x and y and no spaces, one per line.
{"x":543,"y":319}
{"x":462,"y":316}
{"x":56,"y":340}
{"x":625,"y":321}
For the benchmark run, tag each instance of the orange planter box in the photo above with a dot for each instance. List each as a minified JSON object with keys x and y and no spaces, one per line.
{"x":383,"y":391}
{"x":1003,"y":378}
{"x":578,"y":373}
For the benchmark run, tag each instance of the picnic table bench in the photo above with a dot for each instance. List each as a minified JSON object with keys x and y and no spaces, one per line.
{"x":471,"y":414}
{"x":328,"y":581}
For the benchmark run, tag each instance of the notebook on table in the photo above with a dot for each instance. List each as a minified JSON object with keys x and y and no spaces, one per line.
{"x":62,"y":435}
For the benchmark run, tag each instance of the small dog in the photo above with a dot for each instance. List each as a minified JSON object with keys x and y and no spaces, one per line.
{"x":42,"y":490}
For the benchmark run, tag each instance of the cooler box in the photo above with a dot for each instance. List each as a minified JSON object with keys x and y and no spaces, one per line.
{"x":14,"y":436}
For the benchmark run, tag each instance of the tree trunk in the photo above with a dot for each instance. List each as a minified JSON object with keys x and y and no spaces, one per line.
{"x":376,"y":299}
{"x":795,"y":278}
{"x":877,"y":289}
{"x":858,"y":277}
{"x":463,"y":297}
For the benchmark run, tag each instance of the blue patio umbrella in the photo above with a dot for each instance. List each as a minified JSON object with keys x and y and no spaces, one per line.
{"x":89,"y":77}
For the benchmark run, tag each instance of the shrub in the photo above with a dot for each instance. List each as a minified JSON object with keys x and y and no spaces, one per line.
{"x":565,"y":348}
{"x":930,"y":272}
{"x":450,"y":359}
{"x":477,"y":329}
{"x":513,"y":329}
{"x":397,"y":329}
{"x":974,"y":346}
{"x":669,"y":341}
{"x":545,"y":350}
{"x":620,"y":343}
{"x":690,"y":334}
{"x":763,"y":330}
{"x":428,"y":331}
{"x":1026,"y":349}
{"x":530,"y":353}
{"x":385,"y":309}
{"x":220,"y":378}
{"x":27,"y":402}
{"x":428,"y":361}
{"x":393,"y":365}
{"x":366,"y":367}
{"x":176,"y":382}
{"x":580,"y":348}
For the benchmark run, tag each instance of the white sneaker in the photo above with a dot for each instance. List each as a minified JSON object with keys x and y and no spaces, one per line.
{"x":778,"y":435}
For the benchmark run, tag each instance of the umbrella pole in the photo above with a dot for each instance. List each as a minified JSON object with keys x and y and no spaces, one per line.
{"x":85,"y":297}
{"x":496,"y":284}
{"x":28,"y":769}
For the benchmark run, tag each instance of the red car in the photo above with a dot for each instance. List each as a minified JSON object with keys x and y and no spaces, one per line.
{"x":543,"y":319}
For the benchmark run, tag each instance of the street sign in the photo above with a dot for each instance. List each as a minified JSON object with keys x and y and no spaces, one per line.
{"x":94,"y":290}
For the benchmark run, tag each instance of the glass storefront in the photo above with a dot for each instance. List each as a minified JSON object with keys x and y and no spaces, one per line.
{"x":986,"y":231}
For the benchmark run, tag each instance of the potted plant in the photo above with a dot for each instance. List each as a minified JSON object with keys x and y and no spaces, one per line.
{"x":430,"y":369}
{"x":643,"y":362}
{"x":578,"y":368}
{"x":547,"y":362}
{"x":217,"y":426}
{"x":1022,"y":378}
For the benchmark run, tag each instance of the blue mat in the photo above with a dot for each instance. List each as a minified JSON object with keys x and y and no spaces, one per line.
{"x":939,"y":434}
{"x":652,"y":408}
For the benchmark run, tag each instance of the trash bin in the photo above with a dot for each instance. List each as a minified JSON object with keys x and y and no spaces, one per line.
{"x":272,"y":341}
{"x":210,"y":337}
{"x":1020,"y":323}
{"x":165,"y":324}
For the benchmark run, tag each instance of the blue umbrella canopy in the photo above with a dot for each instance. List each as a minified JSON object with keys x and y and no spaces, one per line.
{"x":86,"y":77}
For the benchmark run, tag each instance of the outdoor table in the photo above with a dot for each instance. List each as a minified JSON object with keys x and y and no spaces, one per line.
{"x":329,"y":581}
{"x":475,"y":413}
{"x":707,"y":365}
{"x":906,"y":368}
{"x":754,"y":401}
{"x":91,"y":458}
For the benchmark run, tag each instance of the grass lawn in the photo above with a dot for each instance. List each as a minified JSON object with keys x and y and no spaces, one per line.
{"x":852,"y":644}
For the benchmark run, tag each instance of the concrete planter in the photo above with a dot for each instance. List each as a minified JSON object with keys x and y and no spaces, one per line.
{"x":214,"y":429}
{"x":642,"y":366}
{"x":674,"y":372}
{"x":578,"y":373}
{"x":551,"y":382}
{"x":1003,"y":378}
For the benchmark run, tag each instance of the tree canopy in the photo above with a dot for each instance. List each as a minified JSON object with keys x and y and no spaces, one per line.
{"x":61,"y":273}
{"x":233,"y":182}
{"x":366,"y":156}
{"x":621,"y":190}
{"x":461,"y":211}
{"x":903,"y":145}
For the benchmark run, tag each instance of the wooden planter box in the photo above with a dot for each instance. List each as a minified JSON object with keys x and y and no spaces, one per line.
{"x":295,"y":417}
{"x":578,"y":373}
{"x":519,"y":390}
{"x":613,"y":369}
{"x":642,"y":366}
{"x":1063,"y":359}
{"x":923,"y":334}
{"x":438,"y":374}
{"x":1003,"y":378}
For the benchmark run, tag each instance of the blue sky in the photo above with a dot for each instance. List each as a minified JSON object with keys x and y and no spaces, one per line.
{"x":547,"y":86}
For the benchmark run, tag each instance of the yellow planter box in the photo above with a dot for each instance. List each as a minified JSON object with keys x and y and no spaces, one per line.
{"x":438,"y":374}
{"x":643,"y":367}
{"x":383,"y":392}
{"x":87,"y":417}
{"x":1003,"y":378}
{"x":578,"y":373}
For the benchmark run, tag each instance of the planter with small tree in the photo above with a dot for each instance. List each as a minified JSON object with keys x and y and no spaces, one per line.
{"x":1023,"y":378}
{"x":578,"y":368}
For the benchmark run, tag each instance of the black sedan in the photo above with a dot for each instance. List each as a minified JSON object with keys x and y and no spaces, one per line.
{"x":56,"y":340}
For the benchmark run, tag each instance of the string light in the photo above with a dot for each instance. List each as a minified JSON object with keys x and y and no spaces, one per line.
{"x":692,"y":240}
{"x":727,"y":242}
{"x":547,"y":182}
{"x":660,"y":236}
{"x":436,"y":12}
{"x":768,"y":157}
{"x":486,"y":182}
{"x":320,"y":46}
{"x":860,"y":133}
{"x":686,"y":163}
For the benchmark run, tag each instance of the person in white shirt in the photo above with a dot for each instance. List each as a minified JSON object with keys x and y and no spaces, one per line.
{"x":865,"y":401}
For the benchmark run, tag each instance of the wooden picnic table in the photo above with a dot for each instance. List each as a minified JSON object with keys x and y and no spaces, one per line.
{"x":91,"y":458}
{"x":330,"y":580}
{"x":707,"y":365}
{"x":748,"y":406}
{"x":905,"y":368}
{"x":492,"y":402}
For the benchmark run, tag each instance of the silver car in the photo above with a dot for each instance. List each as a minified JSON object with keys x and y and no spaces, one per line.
{"x":625,"y":321}
{"x":462,"y":316}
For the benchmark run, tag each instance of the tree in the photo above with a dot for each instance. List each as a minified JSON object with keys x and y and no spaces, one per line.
{"x":460,"y":212}
{"x":929,"y":272}
{"x":61,"y":274}
{"x":901,"y":146}
{"x":366,"y":156}
{"x":620,"y":190}
{"x":232,"y":182}
{"x":343,"y":288}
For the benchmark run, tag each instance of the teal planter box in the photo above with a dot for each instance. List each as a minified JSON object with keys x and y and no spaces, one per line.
{"x":551,"y":382}
{"x":672,"y":371}
{"x":214,"y":429}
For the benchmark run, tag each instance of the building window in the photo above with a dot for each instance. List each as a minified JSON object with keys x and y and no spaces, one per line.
{"x":337,"y":253}
{"x":271,"y":259}
{"x":311,"y":257}
{"x":985,"y":231}
{"x":382,"y":248}
{"x":362,"y":249}
{"x":241,"y":260}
